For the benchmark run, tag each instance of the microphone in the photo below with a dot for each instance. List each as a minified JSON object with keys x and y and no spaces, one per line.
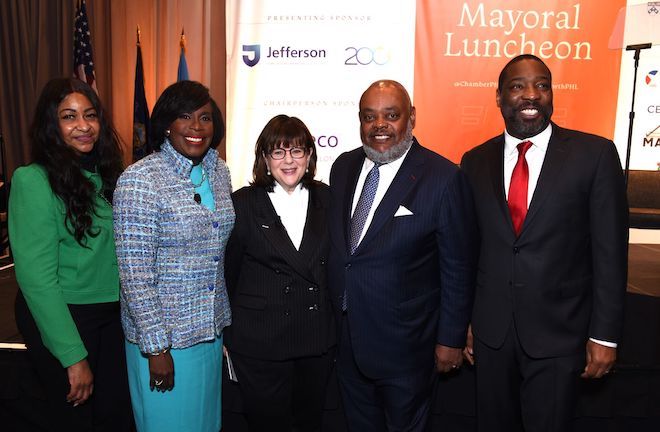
{"x":198,"y":198}
{"x":638,"y":46}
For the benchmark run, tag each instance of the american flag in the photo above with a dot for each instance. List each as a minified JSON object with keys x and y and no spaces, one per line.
{"x":83,"y":62}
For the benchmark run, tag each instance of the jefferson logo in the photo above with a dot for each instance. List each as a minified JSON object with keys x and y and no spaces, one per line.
{"x":251,"y":49}
{"x":283,"y":54}
{"x":652,"y":78}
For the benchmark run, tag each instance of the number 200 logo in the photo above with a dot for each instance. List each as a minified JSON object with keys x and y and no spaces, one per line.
{"x":365,"y":56}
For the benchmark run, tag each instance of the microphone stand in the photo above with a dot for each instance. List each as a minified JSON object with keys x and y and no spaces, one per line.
{"x":637,"y":48}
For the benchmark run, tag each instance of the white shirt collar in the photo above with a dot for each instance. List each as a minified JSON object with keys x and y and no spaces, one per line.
{"x":279,"y":190}
{"x":539,"y":140}
{"x":292,"y":210}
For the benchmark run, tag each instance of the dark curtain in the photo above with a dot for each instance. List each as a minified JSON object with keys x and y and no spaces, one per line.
{"x":35,"y":45}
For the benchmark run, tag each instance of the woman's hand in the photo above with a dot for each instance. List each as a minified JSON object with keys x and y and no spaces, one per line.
{"x":81,"y":382}
{"x":161,"y":372}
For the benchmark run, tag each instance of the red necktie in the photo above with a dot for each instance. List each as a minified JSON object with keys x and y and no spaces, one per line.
{"x":518,"y":188}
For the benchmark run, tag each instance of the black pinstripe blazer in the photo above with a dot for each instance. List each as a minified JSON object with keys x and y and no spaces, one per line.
{"x":279,"y":297}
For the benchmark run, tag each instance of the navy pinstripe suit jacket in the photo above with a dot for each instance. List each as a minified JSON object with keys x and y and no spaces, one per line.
{"x":411,"y":279}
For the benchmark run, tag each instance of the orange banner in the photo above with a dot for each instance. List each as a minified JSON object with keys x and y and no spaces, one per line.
{"x":461,"y":47}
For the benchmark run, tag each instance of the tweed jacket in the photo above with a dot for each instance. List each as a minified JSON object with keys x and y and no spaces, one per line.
{"x":170,"y":251}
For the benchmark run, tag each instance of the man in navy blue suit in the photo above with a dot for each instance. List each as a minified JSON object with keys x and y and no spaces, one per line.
{"x":401,"y":267}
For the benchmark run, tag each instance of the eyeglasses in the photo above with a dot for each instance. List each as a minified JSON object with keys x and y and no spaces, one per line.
{"x":295,"y":152}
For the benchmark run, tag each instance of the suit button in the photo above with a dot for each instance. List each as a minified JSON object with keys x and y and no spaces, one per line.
{"x":211,"y":287}
{"x":215,"y":224}
{"x":322,"y":261}
{"x":348,"y":266}
{"x":313,"y":288}
{"x":314,"y":307}
{"x":278,"y":271}
{"x":516,"y":249}
{"x":287,"y":312}
{"x":287,"y":290}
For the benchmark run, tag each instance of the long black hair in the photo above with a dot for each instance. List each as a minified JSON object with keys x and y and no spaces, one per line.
{"x":63,"y":164}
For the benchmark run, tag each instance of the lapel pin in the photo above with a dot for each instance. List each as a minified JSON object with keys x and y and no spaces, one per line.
{"x":265,"y":226}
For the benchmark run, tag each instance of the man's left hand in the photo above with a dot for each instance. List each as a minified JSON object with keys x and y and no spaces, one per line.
{"x":448,"y":358}
{"x":600,"y":360}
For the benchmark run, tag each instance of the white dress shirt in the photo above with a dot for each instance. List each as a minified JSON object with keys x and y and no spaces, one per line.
{"x":292,"y":210}
{"x":534,"y":157}
{"x":387,"y":172}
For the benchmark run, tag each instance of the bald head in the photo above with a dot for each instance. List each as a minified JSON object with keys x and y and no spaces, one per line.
{"x":383,"y":84}
{"x":387,"y":119}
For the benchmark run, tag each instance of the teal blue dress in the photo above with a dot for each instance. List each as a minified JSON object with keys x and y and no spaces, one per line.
{"x":195,"y":402}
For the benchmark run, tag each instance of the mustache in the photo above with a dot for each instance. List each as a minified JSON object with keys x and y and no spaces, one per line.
{"x":379,"y":130}
{"x":375,"y":134}
{"x":527,"y":105}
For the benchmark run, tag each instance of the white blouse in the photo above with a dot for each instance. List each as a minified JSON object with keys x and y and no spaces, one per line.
{"x":292,"y":210}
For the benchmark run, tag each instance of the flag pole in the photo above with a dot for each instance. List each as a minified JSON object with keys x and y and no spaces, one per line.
{"x":182,"y":41}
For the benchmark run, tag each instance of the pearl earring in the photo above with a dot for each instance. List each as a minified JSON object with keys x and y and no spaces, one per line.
{"x":268,"y":172}
{"x":167,"y":133}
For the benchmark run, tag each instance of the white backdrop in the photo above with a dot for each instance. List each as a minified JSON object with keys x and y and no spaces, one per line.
{"x":314,"y":61}
{"x":645,"y":147}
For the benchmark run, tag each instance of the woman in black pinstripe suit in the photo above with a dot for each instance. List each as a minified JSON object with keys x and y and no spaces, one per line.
{"x":282,"y":338}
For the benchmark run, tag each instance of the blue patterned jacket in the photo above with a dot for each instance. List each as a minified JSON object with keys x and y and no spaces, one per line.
{"x":171,"y":251}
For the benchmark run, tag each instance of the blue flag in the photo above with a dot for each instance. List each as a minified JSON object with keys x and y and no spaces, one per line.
{"x":182,"y":72}
{"x":141,"y":146}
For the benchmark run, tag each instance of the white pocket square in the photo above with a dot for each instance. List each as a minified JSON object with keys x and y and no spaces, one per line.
{"x":402,"y":211}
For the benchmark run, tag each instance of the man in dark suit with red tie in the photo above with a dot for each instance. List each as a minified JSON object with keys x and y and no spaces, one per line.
{"x":401,"y":266}
{"x":552,"y":213}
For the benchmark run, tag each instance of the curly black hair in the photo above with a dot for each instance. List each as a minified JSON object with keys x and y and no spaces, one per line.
{"x":63,"y":164}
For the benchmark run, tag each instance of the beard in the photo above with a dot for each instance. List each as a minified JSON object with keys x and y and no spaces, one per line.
{"x":523,"y":129}
{"x":394,"y":152}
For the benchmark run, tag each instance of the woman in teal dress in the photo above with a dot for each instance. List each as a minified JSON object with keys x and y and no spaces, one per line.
{"x":173,"y":216}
